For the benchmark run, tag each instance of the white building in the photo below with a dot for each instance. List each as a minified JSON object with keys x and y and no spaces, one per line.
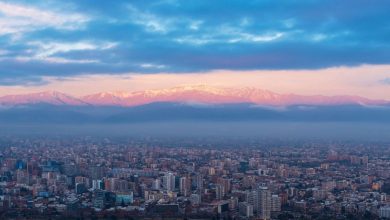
{"x":260,"y":199}
{"x":264,"y":203}
{"x":156,"y":185}
{"x":169,"y":182}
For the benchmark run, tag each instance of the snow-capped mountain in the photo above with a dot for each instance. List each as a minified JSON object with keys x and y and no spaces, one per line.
{"x":187,"y":94}
{"x":213,"y":95}
{"x":47,"y":97}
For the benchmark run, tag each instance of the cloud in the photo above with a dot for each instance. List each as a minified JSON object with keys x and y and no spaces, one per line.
{"x":149,"y":21}
{"x":229,"y":35}
{"x":150,"y":65}
{"x":59,"y":60}
{"x":66,"y":39}
{"x":256,"y":38}
{"x":53,"y":52}
{"x":47,"y":51}
{"x":18,"y":19}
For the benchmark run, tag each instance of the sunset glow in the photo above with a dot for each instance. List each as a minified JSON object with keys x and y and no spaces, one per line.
{"x":367,"y":81}
{"x":136,"y":46}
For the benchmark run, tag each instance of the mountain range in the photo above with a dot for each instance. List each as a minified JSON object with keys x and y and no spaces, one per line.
{"x":198,"y":94}
{"x":188,"y":103}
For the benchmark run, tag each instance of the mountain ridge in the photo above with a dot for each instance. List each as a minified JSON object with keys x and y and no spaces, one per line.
{"x":186,"y":94}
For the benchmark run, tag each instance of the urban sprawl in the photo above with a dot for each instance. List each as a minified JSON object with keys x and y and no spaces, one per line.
{"x":90,"y":178}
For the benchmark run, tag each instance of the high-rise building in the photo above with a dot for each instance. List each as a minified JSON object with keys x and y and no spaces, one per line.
{"x":156,"y":185}
{"x":82,"y":179}
{"x":251,"y":199}
{"x":199,"y":183}
{"x":226,"y":185}
{"x":223,"y":207}
{"x":211,"y":171}
{"x":80,"y":188}
{"x":264,"y":203}
{"x":260,"y":199}
{"x":169,"y":182}
{"x":21,"y":176}
{"x":99,"y":199}
{"x":219,"y":191}
{"x":121,"y":185}
{"x":185,"y":186}
{"x":97,"y":172}
{"x":97,"y":184}
{"x":276,"y":205}
{"x":245,"y":209}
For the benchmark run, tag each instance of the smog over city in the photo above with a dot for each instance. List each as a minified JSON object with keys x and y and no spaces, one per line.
{"x":195,"y":109}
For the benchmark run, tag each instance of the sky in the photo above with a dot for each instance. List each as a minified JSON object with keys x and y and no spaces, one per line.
{"x":326,"y":47}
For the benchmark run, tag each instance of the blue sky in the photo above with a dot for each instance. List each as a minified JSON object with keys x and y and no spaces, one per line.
{"x":92,"y":37}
